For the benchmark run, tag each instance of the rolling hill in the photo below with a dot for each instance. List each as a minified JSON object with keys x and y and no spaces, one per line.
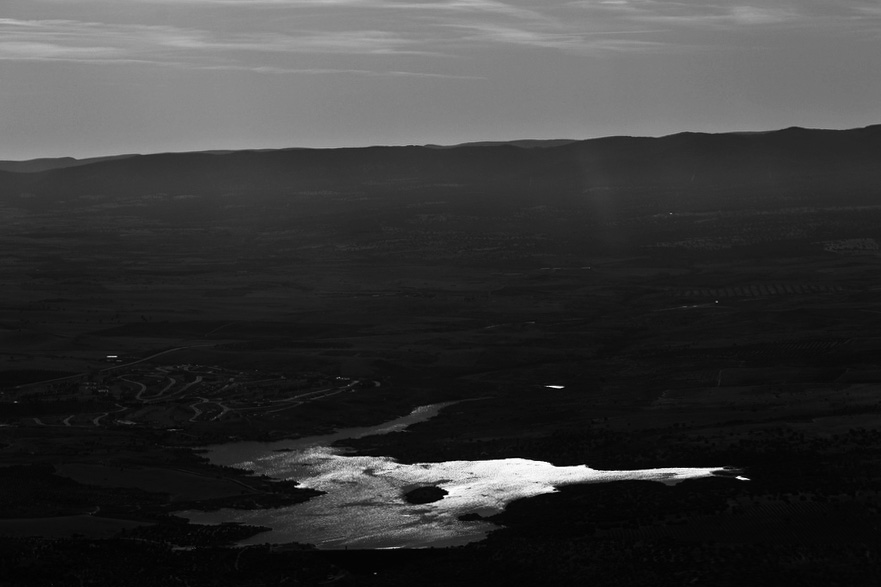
{"x":704,"y":168}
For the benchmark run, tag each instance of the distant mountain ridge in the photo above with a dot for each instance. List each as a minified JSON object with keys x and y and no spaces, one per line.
{"x":525,"y":143}
{"x":696,"y":165}
{"x":48,"y":163}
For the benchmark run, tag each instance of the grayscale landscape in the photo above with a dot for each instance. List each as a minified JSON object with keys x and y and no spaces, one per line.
{"x":440,"y":293}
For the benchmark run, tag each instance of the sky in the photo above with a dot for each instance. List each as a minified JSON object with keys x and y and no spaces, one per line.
{"x":88,"y":78}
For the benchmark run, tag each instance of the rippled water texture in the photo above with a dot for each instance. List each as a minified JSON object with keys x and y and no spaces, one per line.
{"x":364,"y":506}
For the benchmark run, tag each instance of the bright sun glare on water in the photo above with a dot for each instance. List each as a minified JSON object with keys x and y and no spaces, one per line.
{"x":364,"y":505}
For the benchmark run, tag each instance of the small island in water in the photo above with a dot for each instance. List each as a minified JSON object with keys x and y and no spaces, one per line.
{"x":427,"y":494}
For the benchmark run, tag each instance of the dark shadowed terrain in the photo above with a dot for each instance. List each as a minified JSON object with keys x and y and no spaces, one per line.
{"x":695,"y":300}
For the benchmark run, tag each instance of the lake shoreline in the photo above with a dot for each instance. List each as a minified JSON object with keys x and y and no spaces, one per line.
{"x":365,"y":503}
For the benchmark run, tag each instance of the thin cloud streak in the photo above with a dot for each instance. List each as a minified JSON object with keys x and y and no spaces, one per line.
{"x":355,"y":42}
{"x":72,"y":40}
{"x":728,"y":15}
{"x":62,"y":57}
{"x":325,"y":71}
{"x":26,"y":50}
{"x":570,"y":42}
{"x":452,"y":6}
{"x":444,"y":28}
{"x":92,"y":41}
{"x":97,"y":43}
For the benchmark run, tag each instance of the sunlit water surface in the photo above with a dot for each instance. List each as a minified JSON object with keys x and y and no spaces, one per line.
{"x":364,"y":507}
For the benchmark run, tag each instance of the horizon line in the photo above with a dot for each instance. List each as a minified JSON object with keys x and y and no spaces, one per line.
{"x":499,"y":142}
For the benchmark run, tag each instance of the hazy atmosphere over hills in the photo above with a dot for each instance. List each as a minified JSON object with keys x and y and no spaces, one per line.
{"x":695,"y":170}
{"x":87,"y":78}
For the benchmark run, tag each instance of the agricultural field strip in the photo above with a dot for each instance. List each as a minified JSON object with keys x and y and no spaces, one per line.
{"x":96,"y":420}
{"x":142,"y":387}
{"x":106,"y":369}
{"x":288,"y":403}
{"x":249,"y":394}
{"x":197,"y":411}
{"x":160,"y":393}
{"x":177,"y":393}
{"x":294,"y":404}
{"x":66,"y":421}
{"x":759,"y":290}
{"x":153,"y":356}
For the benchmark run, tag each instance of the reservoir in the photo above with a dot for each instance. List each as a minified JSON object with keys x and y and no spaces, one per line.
{"x":364,"y":506}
